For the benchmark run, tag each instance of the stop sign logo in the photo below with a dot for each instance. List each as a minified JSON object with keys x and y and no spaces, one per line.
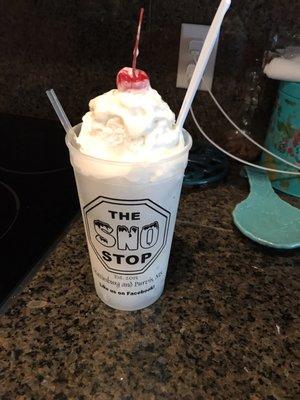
{"x":127,"y":236}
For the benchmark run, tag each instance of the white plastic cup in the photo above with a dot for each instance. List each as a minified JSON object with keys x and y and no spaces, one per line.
{"x":129,"y":212}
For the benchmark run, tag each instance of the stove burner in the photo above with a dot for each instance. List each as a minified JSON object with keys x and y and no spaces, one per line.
{"x":15,"y":171}
{"x":10,"y":207}
{"x":32,"y":150}
{"x":37,"y":195}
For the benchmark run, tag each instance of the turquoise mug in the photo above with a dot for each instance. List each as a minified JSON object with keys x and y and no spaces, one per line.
{"x":283,"y":138}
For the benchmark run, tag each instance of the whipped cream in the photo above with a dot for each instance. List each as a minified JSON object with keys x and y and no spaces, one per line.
{"x":130,"y":126}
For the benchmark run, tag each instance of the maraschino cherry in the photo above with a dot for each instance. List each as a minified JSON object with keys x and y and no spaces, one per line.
{"x":131,"y":78}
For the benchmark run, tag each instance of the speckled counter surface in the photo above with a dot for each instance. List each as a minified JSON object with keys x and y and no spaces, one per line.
{"x":225,"y":327}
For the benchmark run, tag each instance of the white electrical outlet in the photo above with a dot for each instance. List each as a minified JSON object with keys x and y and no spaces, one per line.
{"x":191,"y":42}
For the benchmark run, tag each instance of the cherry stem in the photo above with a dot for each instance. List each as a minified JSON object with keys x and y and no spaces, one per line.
{"x":137,"y":41}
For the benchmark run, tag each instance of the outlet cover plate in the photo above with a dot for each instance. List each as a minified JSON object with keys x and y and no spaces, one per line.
{"x":197,"y":34}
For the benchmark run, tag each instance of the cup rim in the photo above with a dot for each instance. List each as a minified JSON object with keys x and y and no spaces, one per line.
{"x":69,"y":139}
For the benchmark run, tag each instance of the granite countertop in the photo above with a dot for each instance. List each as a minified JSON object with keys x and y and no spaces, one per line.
{"x":225,"y":327}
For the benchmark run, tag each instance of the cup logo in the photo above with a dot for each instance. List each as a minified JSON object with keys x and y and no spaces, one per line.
{"x":127,"y":236}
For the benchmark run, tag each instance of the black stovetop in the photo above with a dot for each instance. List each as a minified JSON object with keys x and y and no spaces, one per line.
{"x":37,"y":196}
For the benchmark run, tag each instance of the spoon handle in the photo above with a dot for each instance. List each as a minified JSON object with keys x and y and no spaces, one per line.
{"x":259,"y":182}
